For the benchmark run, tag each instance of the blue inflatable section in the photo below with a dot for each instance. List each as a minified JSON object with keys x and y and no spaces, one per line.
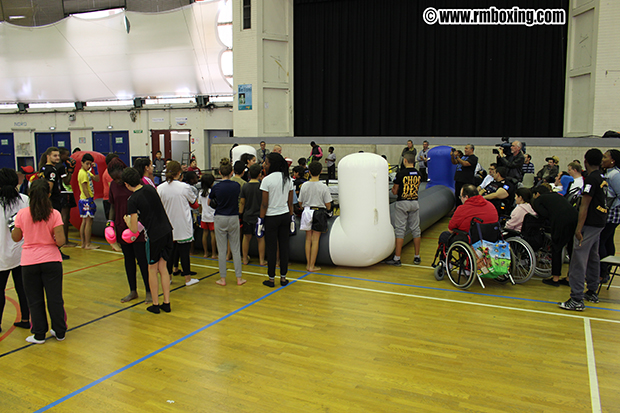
{"x":440,"y":168}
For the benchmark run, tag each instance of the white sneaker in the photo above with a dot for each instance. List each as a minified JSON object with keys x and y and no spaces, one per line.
{"x":33,"y":340}
{"x":53,"y":333}
{"x":192,"y":282}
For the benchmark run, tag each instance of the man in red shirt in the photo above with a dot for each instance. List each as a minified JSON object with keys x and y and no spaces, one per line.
{"x":474,"y":206}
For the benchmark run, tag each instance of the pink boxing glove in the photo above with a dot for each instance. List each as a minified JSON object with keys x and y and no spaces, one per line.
{"x":110,"y":234}
{"x":129,"y":236}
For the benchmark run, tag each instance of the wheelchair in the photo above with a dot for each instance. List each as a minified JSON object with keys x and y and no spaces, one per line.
{"x":538,"y":235}
{"x":458,"y":260}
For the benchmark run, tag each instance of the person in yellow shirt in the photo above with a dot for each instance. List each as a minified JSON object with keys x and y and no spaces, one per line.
{"x":86,"y":204}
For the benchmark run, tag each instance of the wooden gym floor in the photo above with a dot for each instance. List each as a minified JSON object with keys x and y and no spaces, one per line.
{"x":378,"y":339}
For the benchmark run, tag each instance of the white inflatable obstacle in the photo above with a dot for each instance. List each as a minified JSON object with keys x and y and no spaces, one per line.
{"x":362,"y":235}
{"x":240,"y":150}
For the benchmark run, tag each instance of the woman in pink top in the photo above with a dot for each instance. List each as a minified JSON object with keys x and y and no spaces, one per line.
{"x":107,"y":180}
{"x":42,"y":230}
{"x":145,"y":167}
{"x":523,"y":196}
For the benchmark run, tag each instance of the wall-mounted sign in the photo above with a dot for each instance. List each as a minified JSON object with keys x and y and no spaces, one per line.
{"x":82,"y":140}
{"x":158,"y":119}
{"x":245,"y":97}
{"x":119,"y":139}
{"x":4,"y":142}
{"x":20,"y":123}
{"x":138,"y":131}
{"x":181,"y":121}
{"x":61,"y":144}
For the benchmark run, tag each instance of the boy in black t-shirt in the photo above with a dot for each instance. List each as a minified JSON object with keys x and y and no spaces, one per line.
{"x":249,"y":208}
{"x":585,"y":261}
{"x":298,"y":178}
{"x":146,"y":205}
{"x":406,"y":208}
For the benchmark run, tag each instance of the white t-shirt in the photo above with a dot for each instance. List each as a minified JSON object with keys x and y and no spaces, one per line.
{"x":314,"y":194}
{"x":177,"y":197}
{"x":207,"y":211}
{"x":11,"y":252}
{"x":278,"y":197}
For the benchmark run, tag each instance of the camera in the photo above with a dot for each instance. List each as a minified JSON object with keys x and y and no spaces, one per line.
{"x":505,"y":146}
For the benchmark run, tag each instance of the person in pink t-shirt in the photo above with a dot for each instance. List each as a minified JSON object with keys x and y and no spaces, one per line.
{"x":107,"y":180}
{"x":41,"y":228}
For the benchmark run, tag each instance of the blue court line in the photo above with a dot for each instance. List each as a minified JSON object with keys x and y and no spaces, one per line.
{"x":431,"y":288}
{"x":166,"y":347}
{"x":454,"y":291}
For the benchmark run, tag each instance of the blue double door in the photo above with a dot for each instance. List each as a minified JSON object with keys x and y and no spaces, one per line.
{"x":112,"y":142}
{"x":7,"y":151}
{"x":44,"y":140}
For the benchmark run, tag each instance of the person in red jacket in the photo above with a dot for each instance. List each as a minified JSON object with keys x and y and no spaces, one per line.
{"x":474,"y":206}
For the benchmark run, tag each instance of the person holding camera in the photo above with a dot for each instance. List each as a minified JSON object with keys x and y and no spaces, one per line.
{"x":465,"y":169}
{"x":512,"y":162}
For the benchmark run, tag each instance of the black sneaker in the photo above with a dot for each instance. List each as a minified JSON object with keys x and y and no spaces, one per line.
{"x":564,"y":281}
{"x":269,"y":283}
{"x":417,"y":261}
{"x":64,"y":256}
{"x":549,"y":281}
{"x":165,"y":307}
{"x":153,"y":309}
{"x":591,"y":296}
{"x":572,"y":305}
{"x":394,"y":262}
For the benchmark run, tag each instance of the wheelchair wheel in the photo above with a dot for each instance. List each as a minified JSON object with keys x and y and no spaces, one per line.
{"x":460,"y":265}
{"x":543,"y":258}
{"x":523,"y":260}
{"x":439,"y":272}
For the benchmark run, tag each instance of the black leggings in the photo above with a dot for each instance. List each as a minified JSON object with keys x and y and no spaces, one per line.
{"x":180,"y":250}
{"x":132,"y":253}
{"x":19,"y":289}
{"x":43,"y":281}
{"x":277,"y":231}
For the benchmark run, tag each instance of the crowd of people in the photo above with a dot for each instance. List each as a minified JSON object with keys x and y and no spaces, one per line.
{"x":154,"y":207}
{"x":580,"y":208}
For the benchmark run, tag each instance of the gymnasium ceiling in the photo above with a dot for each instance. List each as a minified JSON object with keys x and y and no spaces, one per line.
{"x":126,"y":55}
{"x":42,"y":12}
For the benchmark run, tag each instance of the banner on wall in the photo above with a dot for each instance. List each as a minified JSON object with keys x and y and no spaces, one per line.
{"x":245,"y":97}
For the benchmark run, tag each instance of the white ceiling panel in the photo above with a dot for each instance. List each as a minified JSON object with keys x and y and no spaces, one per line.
{"x":77,"y":59}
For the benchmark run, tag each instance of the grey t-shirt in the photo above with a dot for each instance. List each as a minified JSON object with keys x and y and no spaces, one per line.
{"x":253,"y":196}
{"x":314,"y":194}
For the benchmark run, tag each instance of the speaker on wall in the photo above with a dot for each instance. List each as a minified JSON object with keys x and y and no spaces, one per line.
{"x":202,"y":101}
{"x":138,"y":103}
{"x":22,"y":107}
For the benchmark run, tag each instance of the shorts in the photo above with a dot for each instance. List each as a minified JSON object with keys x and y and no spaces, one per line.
{"x":206,"y":225}
{"x":306,"y":219}
{"x":314,"y":219}
{"x":407,"y":215}
{"x":67,"y":200}
{"x":87,"y":208}
{"x":247,"y":228}
{"x":159,"y":248}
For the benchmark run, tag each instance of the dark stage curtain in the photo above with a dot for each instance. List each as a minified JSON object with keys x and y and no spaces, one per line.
{"x":374,"y":68}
